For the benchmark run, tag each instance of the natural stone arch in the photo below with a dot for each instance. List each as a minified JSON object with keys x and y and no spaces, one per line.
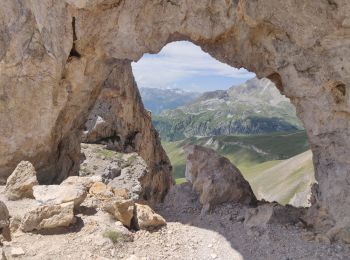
{"x":305,"y":45}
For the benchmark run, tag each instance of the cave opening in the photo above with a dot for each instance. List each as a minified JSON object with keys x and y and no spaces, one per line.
{"x":195,"y":99}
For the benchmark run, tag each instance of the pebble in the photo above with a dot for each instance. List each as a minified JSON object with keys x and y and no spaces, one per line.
{"x":213,"y":256}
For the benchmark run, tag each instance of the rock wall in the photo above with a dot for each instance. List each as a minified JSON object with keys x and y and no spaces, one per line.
{"x":119,"y":120}
{"x":55,"y":56}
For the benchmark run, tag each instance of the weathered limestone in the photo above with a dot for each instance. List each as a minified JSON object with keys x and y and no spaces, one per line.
{"x":146,"y":218}
{"x":215,"y":178}
{"x":121,"y":209}
{"x":120,"y":120}
{"x":48,"y":217}
{"x":21,"y":182}
{"x":54,"y":61}
{"x":57,"y":194}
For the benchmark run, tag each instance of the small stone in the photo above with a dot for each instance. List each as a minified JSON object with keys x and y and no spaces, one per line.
{"x":213,"y":256}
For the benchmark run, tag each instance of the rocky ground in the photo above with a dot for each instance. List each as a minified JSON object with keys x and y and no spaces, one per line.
{"x":225,"y":233}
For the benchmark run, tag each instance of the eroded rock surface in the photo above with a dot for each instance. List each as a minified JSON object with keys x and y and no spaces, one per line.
{"x":48,"y":217}
{"x":121,"y":209}
{"x":57,"y":194}
{"x":120,"y":121}
{"x":54,"y":61}
{"x":146,"y":218}
{"x":215,"y":178}
{"x":21,"y":182}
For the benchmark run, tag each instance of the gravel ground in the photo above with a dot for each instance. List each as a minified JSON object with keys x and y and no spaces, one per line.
{"x":188,"y":234}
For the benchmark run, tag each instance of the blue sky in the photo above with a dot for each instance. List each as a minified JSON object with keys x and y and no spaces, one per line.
{"x":185,"y":66}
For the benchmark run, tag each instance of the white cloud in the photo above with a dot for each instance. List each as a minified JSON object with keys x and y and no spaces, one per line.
{"x":178,"y":61}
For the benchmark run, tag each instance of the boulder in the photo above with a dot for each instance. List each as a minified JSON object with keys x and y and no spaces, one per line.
{"x":57,"y":194}
{"x":146,"y":218}
{"x":48,"y":217}
{"x":215,"y":178}
{"x":20,"y":183}
{"x":121,"y":209}
{"x":86,"y":182}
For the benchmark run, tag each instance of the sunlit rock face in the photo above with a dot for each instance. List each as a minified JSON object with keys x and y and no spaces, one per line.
{"x":56,"y":55}
{"x":120,"y":120}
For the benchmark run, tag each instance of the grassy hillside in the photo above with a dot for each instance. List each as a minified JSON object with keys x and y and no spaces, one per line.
{"x":269,"y":162}
{"x":288,"y":181}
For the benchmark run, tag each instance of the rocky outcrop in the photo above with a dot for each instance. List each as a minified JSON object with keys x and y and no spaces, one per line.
{"x":21,"y":182}
{"x":54,"y":61}
{"x":215,"y":178}
{"x":119,"y":120}
{"x":117,"y":170}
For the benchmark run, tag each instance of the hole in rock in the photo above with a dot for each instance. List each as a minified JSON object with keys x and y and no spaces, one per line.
{"x":195,"y":99}
{"x":74,"y":52}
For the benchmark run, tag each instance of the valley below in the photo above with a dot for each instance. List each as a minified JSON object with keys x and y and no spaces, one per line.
{"x":252,"y":125}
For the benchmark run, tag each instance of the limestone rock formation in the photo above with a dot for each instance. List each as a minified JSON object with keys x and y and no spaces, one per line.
{"x":48,"y":217}
{"x":57,"y":194}
{"x":120,"y":120}
{"x":55,"y":60}
{"x":215,"y":178}
{"x":146,"y":218}
{"x":121,"y":209}
{"x":117,"y":170}
{"x":21,"y":181}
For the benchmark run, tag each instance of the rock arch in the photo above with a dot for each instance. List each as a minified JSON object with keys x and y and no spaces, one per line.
{"x":46,"y":93}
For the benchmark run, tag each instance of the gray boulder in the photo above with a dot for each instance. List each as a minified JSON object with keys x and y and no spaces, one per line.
{"x":215,"y":178}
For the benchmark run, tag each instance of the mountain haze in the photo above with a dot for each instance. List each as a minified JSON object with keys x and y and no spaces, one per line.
{"x":156,"y":99}
{"x":255,"y":107}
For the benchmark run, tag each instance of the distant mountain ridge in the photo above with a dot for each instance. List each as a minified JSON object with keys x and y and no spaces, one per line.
{"x":255,"y":107}
{"x":157,"y":100}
